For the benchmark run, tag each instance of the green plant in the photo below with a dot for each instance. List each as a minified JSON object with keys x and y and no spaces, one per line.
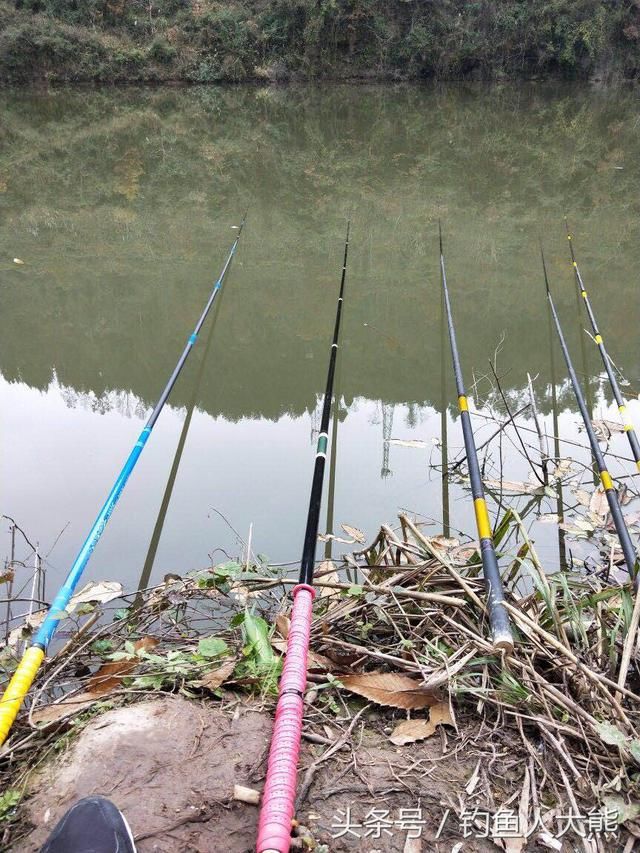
{"x":8,"y":803}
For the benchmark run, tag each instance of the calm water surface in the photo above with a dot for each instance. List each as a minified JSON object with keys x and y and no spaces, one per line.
{"x":120,"y":203}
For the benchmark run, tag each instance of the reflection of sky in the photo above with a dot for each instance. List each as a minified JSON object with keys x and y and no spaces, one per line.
{"x":61,"y":462}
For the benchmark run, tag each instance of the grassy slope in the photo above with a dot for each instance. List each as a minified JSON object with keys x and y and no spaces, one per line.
{"x":204,"y":41}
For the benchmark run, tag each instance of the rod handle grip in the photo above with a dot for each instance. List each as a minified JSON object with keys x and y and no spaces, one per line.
{"x":18,"y":688}
{"x":278,"y":796}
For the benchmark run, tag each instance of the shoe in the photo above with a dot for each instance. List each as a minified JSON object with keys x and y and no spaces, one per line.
{"x":92,"y":825}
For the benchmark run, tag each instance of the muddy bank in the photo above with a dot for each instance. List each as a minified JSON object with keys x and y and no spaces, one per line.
{"x":414,"y":725}
{"x":171,"y":766}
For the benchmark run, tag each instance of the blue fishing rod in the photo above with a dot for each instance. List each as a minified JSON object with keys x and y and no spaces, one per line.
{"x":23,"y":677}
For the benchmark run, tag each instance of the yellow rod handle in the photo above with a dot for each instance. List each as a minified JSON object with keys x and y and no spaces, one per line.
{"x":17,"y":689}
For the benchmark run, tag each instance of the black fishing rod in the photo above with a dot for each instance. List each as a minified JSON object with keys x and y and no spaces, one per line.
{"x":23,"y":677}
{"x":630,"y":556}
{"x":613,"y":382}
{"x":498,"y":617}
{"x":278,"y":797}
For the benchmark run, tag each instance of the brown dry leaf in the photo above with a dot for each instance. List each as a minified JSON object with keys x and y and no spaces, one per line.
{"x":217,"y":677}
{"x":314,"y":659}
{"x":7,"y":576}
{"x":563,"y":467}
{"x":327,"y":572}
{"x":283,"y":623}
{"x":107,"y":679}
{"x":354,"y":533}
{"x":390,"y":689}
{"x":409,"y":731}
{"x":582,"y":496}
{"x":598,"y":503}
{"x":444,"y":543}
{"x":109,"y":676}
{"x":515,"y":486}
{"x":604,"y":429}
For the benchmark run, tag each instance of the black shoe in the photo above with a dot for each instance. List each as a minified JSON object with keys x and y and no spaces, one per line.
{"x":92,"y":825}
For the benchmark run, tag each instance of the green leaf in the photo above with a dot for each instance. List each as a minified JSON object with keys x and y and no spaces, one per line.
{"x":212,"y":647}
{"x":257,"y":633}
{"x":355,"y":590}
{"x":611,"y":734}
{"x":121,"y":613}
{"x":8,"y":802}
{"x":227,"y":570}
{"x":634,"y":749}
{"x":101,"y":647}
{"x":154,"y":681}
{"x":623,"y":810}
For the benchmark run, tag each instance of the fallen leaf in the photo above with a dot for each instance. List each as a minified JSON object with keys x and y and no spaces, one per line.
{"x":107,"y":679}
{"x":354,"y":532}
{"x":582,"y":496}
{"x":623,"y":810}
{"x":563,"y":467}
{"x":216,"y":677}
{"x":315,"y":660}
{"x":18,"y":262}
{"x":102,"y":592}
{"x":610,"y":734}
{"x":409,"y":731}
{"x":549,"y":518}
{"x":325,"y":537}
{"x":327,"y":572}
{"x":24,"y":631}
{"x":461,"y":555}
{"x":598,"y":503}
{"x":401,"y":442}
{"x":604,"y":429}
{"x":632,"y":519}
{"x":390,"y":689}
{"x":443,"y":542}
{"x":517,"y":487}
{"x":283,"y":623}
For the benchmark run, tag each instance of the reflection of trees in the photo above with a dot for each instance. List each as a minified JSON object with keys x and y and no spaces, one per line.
{"x":121,"y":201}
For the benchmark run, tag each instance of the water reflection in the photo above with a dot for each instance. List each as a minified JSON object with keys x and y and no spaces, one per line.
{"x":120,"y":202}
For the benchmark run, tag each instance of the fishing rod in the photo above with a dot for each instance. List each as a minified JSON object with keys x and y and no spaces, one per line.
{"x":500,"y":626}
{"x":620,"y":401}
{"x":23,"y":677}
{"x":175,"y":465}
{"x":630,"y":556}
{"x":278,"y":797}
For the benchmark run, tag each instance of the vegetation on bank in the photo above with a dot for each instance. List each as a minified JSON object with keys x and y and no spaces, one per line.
{"x":204,"y":41}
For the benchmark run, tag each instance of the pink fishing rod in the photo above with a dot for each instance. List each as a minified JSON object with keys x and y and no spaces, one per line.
{"x":278,"y":797}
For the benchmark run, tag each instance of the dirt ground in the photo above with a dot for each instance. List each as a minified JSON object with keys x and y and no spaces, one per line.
{"x":171,"y":765}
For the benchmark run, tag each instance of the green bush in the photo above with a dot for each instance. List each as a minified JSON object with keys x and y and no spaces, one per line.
{"x":229,"y":41}
{"x":161,"y":51}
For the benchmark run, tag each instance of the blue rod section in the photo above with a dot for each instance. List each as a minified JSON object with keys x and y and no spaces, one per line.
{"x":57,"y":611}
